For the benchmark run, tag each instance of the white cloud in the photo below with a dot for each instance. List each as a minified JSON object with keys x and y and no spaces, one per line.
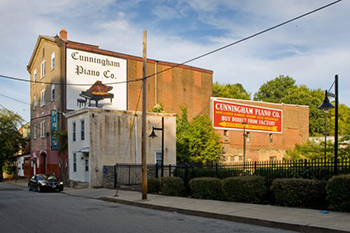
{"x":311,"y":50}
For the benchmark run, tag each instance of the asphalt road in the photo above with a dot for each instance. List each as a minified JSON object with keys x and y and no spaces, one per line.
{"x":27,"y":211}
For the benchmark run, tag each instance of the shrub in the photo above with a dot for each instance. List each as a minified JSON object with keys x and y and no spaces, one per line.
{"x":298,"y":192}
{"x":172,"y":186}
{"x":153,"y":185}
{"x":206,"y":188}
{"x":338,"y":194}
{"x":249,"y":189}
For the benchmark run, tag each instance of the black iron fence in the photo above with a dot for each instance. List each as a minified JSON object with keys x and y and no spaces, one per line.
{"x":309,"y":169}
{"x":320,"y":169}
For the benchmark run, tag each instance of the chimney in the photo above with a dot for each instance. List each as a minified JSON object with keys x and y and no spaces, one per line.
{"x":63,"y":34}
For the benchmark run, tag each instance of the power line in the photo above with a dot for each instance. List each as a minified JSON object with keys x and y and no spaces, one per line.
{"x":193,"y":59}
{"x":14,"y":99}
{"x":247,"y":38}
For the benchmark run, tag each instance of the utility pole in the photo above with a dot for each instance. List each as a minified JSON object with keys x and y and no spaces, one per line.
{"x":144,"y":115}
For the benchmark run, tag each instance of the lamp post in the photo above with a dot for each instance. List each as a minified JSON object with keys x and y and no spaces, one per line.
{"x":326,"y":105}
{"x":153,"y":135}
{"x":244,"y":141}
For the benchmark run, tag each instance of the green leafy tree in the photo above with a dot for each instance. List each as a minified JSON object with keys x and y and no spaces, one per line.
{"x":274,"y":90}
{"x":62,"y":141}
{"x":204,"y":143}
{"x":158,"y":108}
{"x":313,"y":149}
{"x":301,"y":95}
{"x":11,"y":139}
{"x":197,"y":141}
{"x":284,"y":90}
{"x":309,"y":150}
{"x":182,"y":138}
{"x":343,"y":120}
{"x":344,"y":147}
{"x":235,"y":91}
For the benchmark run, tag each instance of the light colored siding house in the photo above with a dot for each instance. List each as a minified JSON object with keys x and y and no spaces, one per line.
{"x":98,"y":138}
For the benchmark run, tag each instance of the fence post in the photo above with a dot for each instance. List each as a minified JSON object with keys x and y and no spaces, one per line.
{"x":129,"y":174}
{"x":255,"y":167}
{"x":169,"y":170}
{"x":186,"y":175}
{"x":216,"y":169}
{"x":115,"y":176}
{"x":175,"y":172}
{"x":156,"y":170}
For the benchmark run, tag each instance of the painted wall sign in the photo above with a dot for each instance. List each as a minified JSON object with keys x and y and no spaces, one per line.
{"x":54,"y":127}
{"x":97,"y":80}
{"x":230,"y":116}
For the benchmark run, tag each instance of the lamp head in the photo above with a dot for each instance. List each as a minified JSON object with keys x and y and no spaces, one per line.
{"x":326,"y":105}
{"x":153,"y":134}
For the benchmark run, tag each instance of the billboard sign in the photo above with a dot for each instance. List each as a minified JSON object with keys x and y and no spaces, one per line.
{"x":230,"y":116}
{"x":96,"y":80}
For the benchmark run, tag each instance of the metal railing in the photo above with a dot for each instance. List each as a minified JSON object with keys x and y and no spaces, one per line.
{"x":319,"y":169}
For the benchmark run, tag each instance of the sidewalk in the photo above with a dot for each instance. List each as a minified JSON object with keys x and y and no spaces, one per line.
{"x":297,"y":219}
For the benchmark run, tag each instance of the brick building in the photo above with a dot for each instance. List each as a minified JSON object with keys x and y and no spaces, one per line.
{"x":63,"y":73}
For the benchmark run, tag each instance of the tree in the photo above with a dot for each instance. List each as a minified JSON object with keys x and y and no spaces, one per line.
{"x":182,"y":139}
{"x":314,"y":149}
{"x":197,"y":141}
{"x":274,"y":90}
{"x":301,"y":95}
{"x":62,"y":141}
{"x":11,"y":139}
{"x":343,"y":119}
{"x":308,"y":150}
{"x":235,"y":91}
{"x":158,"y":108}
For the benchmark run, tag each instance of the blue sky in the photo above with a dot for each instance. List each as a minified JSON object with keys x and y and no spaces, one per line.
{"x":311,"y":50}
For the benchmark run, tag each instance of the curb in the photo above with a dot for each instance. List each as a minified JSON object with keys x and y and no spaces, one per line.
{"x":246,"y":220}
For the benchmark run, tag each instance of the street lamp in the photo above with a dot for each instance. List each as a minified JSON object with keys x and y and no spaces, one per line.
{"x":325,"y":106}
{"x":153,"y":135}
{"x":244,"y":141}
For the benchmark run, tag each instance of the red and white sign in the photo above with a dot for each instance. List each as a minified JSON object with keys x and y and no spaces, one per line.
{"x":230,"y":116}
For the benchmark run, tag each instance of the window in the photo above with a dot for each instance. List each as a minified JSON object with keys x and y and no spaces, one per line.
{"x":159,"y":158}
{"x":42,"y":98}
{"x":34,"y":102}
{"x":53,"y":61}
{"x":271,"y":138}
{"x":86,"y":164}
{"x":34,"y":131}
{"x":43,"y":69}
{"x":74,"y":131}
{"x":82,"y":130}
{"x":226,"y":135}
{"x":42,"y":129}
{"x":35,"y":75}
{"x":74,"y":162}
{"x":53,"y":92}
{"x":248,"y":136}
